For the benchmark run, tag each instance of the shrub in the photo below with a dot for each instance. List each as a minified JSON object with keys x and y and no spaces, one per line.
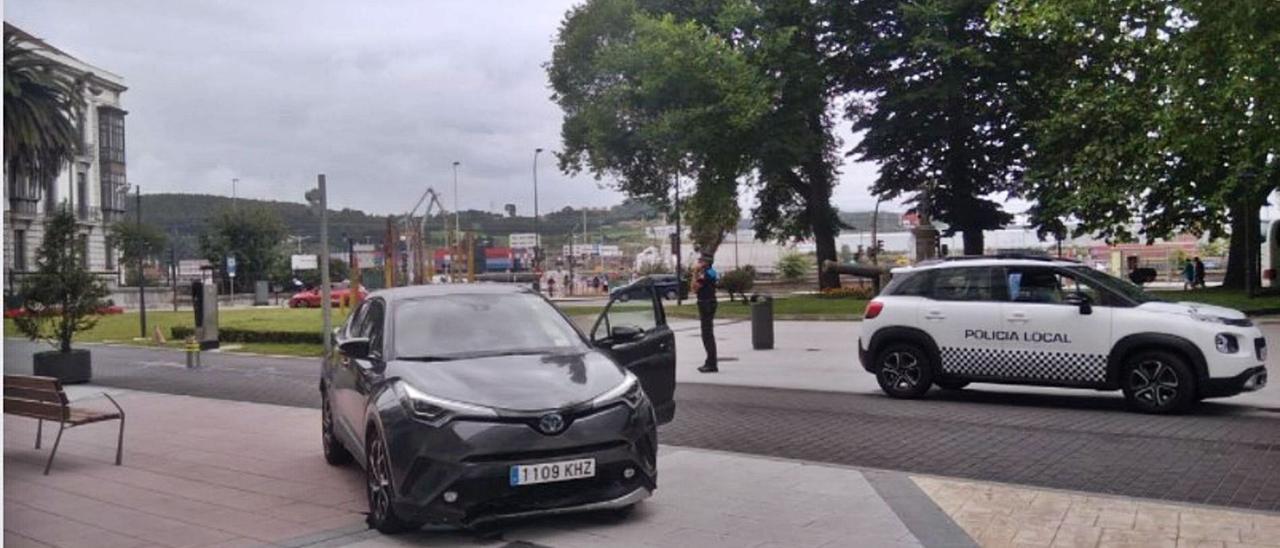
{"x":238,"y":335}
{"x":793,"y":267}
{"x":738,"y":281}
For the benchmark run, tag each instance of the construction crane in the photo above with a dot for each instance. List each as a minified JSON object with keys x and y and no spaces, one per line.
{"x":419,"y":265}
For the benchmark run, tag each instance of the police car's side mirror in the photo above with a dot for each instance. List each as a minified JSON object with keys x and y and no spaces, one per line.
{"x":1081,"y":300}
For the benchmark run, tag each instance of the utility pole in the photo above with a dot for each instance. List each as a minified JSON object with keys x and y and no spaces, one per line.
{"x":679,"y":258}
{"x":325,"y":307}
{"x":142,"y":278}
{"x":537,"y":233}
{"x":173,"y":267}
{"x":233,"y":192}
{"x":568,"y":288}
{"x":457,"y":225}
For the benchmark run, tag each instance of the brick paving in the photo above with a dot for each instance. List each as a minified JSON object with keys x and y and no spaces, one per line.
{"x":1225,"y":454}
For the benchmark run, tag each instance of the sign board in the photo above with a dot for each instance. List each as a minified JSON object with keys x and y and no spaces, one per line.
{"x":303,"y":262}
{"x":231,"y":266}
{"x":192,"y":268}
{"x":524,"y":241}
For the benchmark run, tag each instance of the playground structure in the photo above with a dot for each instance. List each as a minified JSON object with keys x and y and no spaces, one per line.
{"x":409,"y":258}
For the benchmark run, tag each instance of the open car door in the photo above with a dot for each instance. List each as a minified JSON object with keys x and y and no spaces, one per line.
{"x":633,"y":330}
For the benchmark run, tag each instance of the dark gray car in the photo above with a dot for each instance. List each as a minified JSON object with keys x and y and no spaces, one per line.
{"x":467,"y":403}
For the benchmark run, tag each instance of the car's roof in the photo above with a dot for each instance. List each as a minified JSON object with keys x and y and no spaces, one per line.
{"x":435,"y":290}
{"x":987,"y":261}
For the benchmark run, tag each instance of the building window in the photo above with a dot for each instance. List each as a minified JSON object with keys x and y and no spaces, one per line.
{"x":82,"y":195}
{"x":51,"y":195}
{"x":111,"y":255}
{"x":20,"y":250}
{"x":111,"y":165}
{"x":84,"y":251}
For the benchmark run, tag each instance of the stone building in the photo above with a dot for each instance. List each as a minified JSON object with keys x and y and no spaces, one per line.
{"x":93,"y":186}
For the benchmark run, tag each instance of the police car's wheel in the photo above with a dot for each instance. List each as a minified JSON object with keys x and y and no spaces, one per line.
{"x":951,"y":385}
{"x":904,"y":371}
{"x":1158,"y":382}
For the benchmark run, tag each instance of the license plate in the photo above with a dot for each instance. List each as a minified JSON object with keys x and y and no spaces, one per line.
{"x":547,"y":472}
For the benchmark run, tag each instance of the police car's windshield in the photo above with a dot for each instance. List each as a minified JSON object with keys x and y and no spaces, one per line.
{"x":468,"y":325}
{"x":1123,"y":287}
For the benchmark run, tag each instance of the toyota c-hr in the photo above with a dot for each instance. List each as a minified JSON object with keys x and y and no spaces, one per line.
{"x":468,"y":403}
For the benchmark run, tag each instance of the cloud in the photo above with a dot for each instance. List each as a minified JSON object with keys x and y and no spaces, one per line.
{"x":380,"y":96}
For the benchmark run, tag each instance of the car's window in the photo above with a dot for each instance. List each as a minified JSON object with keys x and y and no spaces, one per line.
{"x":962,"y":284}
{"x":1047,"y":285}
{"x":1113,"y":284}
{"x":353,"y":325}
{"x":637,"y":312}
{"x":909,"y":284}
{"x":372,"y":328}
{"x":451,"y":326}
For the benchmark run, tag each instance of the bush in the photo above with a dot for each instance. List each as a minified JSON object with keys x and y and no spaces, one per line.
{"x":237,"y":335}
{"x":738,"y":281}
{"x":853,"y":292}
{"x":793,"y":267}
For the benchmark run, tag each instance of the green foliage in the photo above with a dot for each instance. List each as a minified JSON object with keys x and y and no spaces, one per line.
{"x":648,"y":98}
{"x":1162,"y":113}
{"x":242,"y":335}
{"x":653,"y":268}
{"x":940,"y":99}
{"x":738,"y":281}
{"x":41,"y":103}
{"x":793,"y":267}
{"x":861,"y":292}
{"x":251,"y":234}
{"x":62,"y":297}
{"x":136,"y":242}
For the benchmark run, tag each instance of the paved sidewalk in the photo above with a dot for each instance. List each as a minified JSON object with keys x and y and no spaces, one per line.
{"x":204,"y":472}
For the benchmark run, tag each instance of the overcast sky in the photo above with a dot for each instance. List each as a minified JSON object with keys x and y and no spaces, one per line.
{"x":381,"y":96}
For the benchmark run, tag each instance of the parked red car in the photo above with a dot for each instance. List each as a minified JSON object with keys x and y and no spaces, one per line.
{"x":311,"y":298}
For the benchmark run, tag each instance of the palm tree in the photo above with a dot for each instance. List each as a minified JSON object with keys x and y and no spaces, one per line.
{"x":41,"y":104}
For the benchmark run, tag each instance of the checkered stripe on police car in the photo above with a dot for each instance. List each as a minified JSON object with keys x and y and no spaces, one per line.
{"x":1025,"y":364}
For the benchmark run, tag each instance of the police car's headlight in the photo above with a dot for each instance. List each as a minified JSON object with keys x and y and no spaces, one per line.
{"x":628,"y":391}
{"x":437,"y":411}
{"x":1226,"y":343}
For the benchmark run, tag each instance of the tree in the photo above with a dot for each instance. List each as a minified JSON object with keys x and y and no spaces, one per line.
{"x":768,"y":116}
{"x":939,"y":99}
{"x":63,"y":296}
{"x":137,"y":243}
{"x":1162,"y":116}
{"x":252,"y":235}
{"x":738,"y":281}
{"x":41,"y":102}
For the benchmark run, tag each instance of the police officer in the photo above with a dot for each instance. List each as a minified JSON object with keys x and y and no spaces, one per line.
{"x":704,"y":286}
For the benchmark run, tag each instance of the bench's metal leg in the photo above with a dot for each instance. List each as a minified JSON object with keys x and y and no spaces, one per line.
{"x":120,"y":438}
{"x":39,"y":431}
{"x":61,"y":426}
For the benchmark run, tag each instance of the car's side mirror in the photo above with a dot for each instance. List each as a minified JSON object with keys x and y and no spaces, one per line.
{"x":355,"y":347}
{"x":1081,"y":300}
{"x":624,"y":333}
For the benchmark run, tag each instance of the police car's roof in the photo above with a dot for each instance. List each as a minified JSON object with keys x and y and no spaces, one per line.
{"x":980,"y":261}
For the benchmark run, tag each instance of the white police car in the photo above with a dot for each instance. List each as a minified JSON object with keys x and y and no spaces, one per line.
{"x":1052,"y":322}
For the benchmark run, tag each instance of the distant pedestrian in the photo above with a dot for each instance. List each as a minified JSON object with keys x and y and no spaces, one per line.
{"x":551,"y":286}
{"x":704,"y":286}
{"x":1188,"y":275}
{"x":1199,"y":268}
{"x":568,"y":285}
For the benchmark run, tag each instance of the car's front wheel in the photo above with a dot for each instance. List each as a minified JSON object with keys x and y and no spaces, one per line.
{"x":382,"y":516}
{"x":903,"y":371}
{"x":334,"y":452}
{"x":1158,"y":382}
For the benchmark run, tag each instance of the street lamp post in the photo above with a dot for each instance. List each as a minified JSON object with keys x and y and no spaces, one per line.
{"x":233,"y":192}
{"x":457,"y":226}
{"x":142,"y":278}
{"x":537,"y":233}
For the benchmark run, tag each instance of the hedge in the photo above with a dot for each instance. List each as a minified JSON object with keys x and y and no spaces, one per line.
{"x":233,"y":334}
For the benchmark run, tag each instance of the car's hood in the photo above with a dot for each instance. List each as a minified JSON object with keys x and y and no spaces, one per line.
{"x":1193,"y":309}
{"x":520,"y":383}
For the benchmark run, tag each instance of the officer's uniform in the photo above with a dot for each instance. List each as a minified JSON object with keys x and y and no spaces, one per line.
{"x":706,"y":295}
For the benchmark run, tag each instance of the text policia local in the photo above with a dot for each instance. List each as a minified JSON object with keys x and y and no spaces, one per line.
{"x":1024,"y":336}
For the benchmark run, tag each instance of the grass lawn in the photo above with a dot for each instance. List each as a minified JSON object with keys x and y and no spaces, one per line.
{"x":799,"y":307}
{"x":1267,"y":303}
{"x":123,"y":328}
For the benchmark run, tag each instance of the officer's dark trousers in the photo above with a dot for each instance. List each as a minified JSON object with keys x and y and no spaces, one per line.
{"x":706,"y":315}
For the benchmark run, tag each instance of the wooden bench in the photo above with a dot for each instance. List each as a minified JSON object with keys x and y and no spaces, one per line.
{"x":43,"y":399}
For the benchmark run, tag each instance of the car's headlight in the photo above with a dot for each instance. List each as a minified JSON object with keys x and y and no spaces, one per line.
{"x":628,"y":391}
{"x":437,"y":411}
{"x":1226,"y":343}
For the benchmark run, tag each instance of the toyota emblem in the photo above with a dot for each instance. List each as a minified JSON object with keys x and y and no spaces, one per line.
{"x":551,"y":424}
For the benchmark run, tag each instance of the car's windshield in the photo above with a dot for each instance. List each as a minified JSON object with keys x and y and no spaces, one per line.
{"x":1123,"y":287}
{"x":449,"y":326}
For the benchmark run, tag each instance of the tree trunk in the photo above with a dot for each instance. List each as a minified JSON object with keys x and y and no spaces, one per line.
{"x":824,"y":239}
{"x":1238,"y":253}
{"x":973,"y":242}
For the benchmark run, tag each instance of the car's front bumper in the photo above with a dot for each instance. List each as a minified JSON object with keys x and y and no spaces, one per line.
{"x":1254,"y":378}
{"x":472,"y":460}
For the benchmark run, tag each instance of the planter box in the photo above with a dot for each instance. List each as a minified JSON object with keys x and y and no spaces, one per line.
{"x":71,"y":367}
